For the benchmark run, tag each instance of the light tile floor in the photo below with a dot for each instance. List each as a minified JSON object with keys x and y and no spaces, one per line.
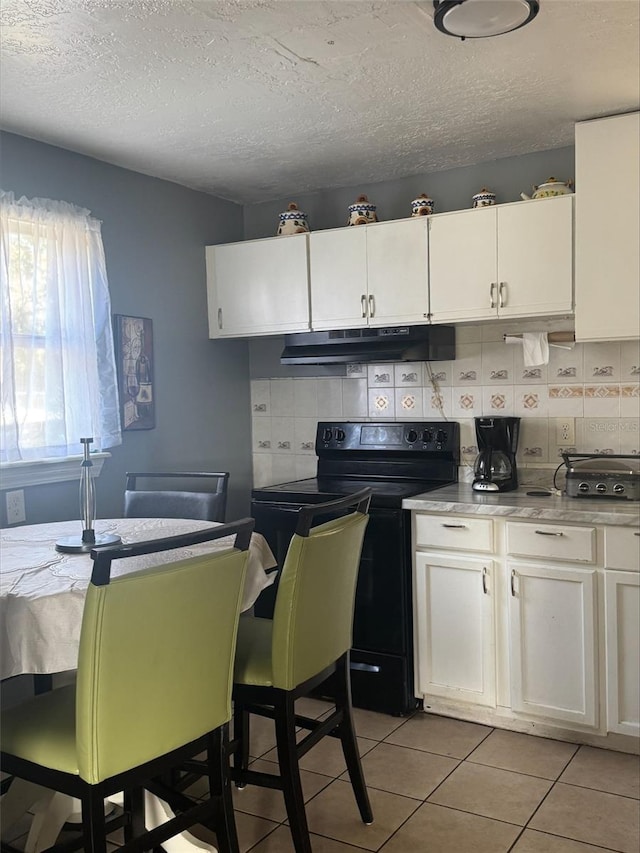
{"x":439,"y":785}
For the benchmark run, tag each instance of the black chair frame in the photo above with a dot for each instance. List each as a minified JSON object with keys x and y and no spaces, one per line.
{"x":212,"y":503}
{"x":216,"y":813}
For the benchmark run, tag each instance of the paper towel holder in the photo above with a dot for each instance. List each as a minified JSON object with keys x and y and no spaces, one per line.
{"x":552,"y":337}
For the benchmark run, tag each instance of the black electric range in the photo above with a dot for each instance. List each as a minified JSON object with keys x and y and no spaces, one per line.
{"x":397,"y":460}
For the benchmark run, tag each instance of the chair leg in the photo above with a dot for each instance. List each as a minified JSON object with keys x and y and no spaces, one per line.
{"x":284,"y":706}
{"x":241,"y":733}
{"x":347,"y":733}
{"x":93,"y":823}
{"x":220,"y":790}
{"x":134,"y":806}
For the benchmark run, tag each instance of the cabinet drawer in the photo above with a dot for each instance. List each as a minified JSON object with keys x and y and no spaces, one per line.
{"x":443,"y":531}
{"x":552,"y":541}
{"x":622,"y":548}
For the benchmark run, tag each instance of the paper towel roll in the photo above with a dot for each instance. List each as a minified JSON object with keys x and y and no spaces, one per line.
{"x":535,"y":348}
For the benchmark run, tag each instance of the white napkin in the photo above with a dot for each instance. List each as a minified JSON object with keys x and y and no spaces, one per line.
{"x":535,"y":348}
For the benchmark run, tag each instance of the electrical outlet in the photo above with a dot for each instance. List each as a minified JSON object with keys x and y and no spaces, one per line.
{"x":15,"y":507}
{"x":565,"y":432}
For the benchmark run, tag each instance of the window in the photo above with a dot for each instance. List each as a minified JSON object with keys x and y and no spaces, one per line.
{"x":57,"y":363}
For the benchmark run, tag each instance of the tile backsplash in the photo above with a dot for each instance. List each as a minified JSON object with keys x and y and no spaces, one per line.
{"x":597,"y":384}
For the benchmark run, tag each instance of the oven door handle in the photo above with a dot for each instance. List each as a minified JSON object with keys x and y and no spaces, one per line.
{"x":364,"y":667}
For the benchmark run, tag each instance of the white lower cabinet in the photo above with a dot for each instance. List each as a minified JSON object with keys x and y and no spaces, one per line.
{"x":622,"y":628}
{"x":535,"y":625}
{"x":455,"y":628}
{"x":552,"y":632}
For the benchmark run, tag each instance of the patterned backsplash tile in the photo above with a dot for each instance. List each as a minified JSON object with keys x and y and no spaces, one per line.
{"x":596,"y":384}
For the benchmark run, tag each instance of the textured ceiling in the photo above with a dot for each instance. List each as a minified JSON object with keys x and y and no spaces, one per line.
{"x":260,"y":99}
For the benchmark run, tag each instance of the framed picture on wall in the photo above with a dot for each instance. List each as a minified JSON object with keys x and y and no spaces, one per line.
{"x":134,"y":362}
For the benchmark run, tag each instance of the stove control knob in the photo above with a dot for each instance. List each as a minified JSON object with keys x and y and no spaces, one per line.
{"x":339,"y":435}
{"x":583,"y":487}
{"x":427,"y":436}
{"x":601,"y":487}
{"x":618,"y":489}
{"x":441,"y":437}
{"x":327,"y":434}
{"x":412,"y":436}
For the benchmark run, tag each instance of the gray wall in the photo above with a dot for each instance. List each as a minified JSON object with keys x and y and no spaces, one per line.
{"x":154,"y":235}
{"x":451,"y":190}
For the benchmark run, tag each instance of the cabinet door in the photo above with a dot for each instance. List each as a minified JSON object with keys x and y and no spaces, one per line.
{"x":454,"y":607}
{"x":258,"y":287}
{"x":622,"y":626}
{"x":338,"y":270}
{"x":553,"y":651}
{"x":397,"y":274}
{"x":535,"y":257}
{"x":607,"y":227}
{"x":463,"y":265}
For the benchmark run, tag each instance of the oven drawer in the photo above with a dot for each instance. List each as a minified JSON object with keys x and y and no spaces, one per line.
{"x":552,"y":542}
{"x":445,"y":531}
{"x":622,"y":548}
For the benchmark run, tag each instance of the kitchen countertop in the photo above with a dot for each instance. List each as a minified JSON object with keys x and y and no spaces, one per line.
{"x":460,"y":498}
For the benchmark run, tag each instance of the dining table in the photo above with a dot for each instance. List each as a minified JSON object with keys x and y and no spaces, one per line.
{"x":42,"y":593}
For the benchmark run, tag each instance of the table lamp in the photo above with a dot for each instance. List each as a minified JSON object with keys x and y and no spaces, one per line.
{"x":89,"y":539}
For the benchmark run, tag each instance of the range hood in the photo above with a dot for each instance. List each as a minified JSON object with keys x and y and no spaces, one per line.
{"x":395,"y":343}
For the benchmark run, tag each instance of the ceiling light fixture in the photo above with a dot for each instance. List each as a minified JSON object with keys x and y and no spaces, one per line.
{"x":476,"y":19}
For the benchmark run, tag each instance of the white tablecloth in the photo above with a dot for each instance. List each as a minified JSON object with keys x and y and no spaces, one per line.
{"x":42,"y":591}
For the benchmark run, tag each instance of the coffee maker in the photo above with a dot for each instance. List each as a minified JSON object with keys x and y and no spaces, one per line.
{"x":495,"y":466}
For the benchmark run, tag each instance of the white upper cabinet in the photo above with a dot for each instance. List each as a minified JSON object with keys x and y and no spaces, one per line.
{"x":462,"y":265}
{"x":607,"y":228}
{"x":369,"y":275}
{"x":338,"y":270}
{"x":258,"y":287}
{"x":512,"y":260}
{"x":398,"y":290}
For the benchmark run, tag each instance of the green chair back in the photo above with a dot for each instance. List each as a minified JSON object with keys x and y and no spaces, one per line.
{"x":313,"y":616}
{"x":155,"y":664}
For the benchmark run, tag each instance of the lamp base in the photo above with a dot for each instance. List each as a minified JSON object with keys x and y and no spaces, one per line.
{"x":75,"y":545}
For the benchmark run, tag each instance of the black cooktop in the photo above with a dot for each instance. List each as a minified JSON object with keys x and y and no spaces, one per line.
{"x":386,"y":493}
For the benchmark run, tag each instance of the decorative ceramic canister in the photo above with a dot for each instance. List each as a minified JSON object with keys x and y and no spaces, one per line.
{"x":362,"y":211}
{"x":293,"y":221}
{"x":422,"y":206}
{"x":484,"y":198}
{"x":550,"y":188}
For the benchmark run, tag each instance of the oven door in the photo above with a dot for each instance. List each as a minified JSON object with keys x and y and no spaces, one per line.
{"x":382,"y":653}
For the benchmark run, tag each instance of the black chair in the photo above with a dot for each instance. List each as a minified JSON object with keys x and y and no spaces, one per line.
{"x":207,"y":505}
{"x":146,"y":698}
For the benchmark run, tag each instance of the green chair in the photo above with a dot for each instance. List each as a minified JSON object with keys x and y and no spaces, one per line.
{"x":153,"y":689}
{"x":305,"y":645}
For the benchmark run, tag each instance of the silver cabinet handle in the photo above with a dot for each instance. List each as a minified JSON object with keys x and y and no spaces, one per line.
{"x":549,"y":533}
{"x":219,"y":318}
{"x":492,"y":301}
{"x":363,"y":305}
{"x":513,"y":582}
{"x":636,"y":534}
{"x":501,"y":290}
{"x":484,"y":580}
{"x":455,"y":526}
{"x":372,"y":307}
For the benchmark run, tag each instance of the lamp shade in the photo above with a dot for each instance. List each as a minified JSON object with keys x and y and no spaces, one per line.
{"x":482,"y":18}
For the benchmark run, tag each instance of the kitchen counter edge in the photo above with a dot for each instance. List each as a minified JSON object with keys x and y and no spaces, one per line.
{"x":461,"y":499}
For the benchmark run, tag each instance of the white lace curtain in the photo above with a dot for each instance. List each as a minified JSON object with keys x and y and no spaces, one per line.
{"x":58,"y":368}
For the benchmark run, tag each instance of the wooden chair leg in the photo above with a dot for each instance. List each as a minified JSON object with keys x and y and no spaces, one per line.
{"x":93,"y":823}
{"x":220,"y":790}
{"x":134,"y":807}
{"x":242,"y":734}
{"x":349,"y":742}
{"x":290,"y":771}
